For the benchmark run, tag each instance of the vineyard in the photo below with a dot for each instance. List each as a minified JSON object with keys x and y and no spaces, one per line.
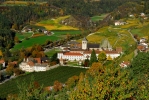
{"x":43,"y":78}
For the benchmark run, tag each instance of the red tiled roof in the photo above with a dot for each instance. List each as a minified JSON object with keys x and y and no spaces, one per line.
{"x":14,"y":62}
{"x":125,"y":63}
{"x":30,"y":63}
{"x":140,"y":47}
{"x":38,"y":60}
{"x":2,"y":61}
{"x":111,"y":52}
{"x":73,"y":54}
{"x":119,"y":49}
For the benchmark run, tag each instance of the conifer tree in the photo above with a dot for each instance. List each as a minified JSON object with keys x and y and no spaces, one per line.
{"x":93,"y":57}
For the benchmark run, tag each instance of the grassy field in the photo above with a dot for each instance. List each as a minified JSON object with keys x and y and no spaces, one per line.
{"x":97,"y":18}
{"x":53,"y":24}
{"x":52,"y":52}
{"x":46,"y":78}
{"x":58,"y":34}
{"x":23,"y":35}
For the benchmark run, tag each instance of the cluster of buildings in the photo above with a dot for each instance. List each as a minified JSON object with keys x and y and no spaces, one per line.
{"x":74,"y":51}
{"x":143,"y":45}
{"x":34,"y":64}
{"x":30,"y":30}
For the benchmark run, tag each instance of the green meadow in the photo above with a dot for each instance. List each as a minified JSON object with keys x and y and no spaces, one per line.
{"x":58,"y":34}
{"x":97,"y":18}
{"x":43,"y":78}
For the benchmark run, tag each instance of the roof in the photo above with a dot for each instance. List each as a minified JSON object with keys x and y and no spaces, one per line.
{"x":84,"y":39}
{"x":30,"y":63}
{"x":14,"y":62}
{"x":73,"y":54}
{"x":119,"y":49}
{"x":44,"y":58}
{"x":105,"y":44}
{"x":140,"y":47}
{"x":97,"y":52}
{"x":41,"y":65}
{"x":125,"y":63}
{"x":38,"y":60}
{"x":72,"y":42}
{"x":2,"y":61}
{"x":91,"y":45}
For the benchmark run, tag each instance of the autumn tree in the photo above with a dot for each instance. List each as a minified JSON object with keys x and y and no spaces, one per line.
{"x":31,"y":91}
{"x":102,"y":57}
{"x":16,"y":39}
{"x":10,"y":68}
{"x":104,"y":83}
{"x":71,"y":82}
{"x":93,"y":57}
{"x":57,"y":86}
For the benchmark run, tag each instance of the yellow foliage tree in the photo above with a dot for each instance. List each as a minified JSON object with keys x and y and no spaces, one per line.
{"x":1,"y":54}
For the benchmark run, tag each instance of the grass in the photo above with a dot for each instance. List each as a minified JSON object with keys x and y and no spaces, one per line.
{"x":23,"y":35}
{"x":54,"y":24}
{"x":52,"y":52}
{"x":58,"y":34}
{"x":97,"y":18}
{"x":32,"y":41}
{"x":46,"y":78}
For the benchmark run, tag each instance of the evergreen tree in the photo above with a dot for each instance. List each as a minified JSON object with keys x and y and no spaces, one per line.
{"x":93,"y":57}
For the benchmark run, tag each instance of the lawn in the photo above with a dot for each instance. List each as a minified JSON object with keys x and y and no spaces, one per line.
{"x":44,"y":78}
{"x":97,"y":18}
{"x":54,"y":24}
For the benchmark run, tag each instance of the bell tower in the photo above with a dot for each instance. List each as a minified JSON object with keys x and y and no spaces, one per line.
{"x":84,"y":43}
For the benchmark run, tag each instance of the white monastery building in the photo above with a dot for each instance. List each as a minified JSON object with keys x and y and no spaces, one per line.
{"x":33,"y":64}
{"x":74,"y":51}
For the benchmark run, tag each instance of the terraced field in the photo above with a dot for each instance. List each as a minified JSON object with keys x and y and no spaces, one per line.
{"x":43,"y":78}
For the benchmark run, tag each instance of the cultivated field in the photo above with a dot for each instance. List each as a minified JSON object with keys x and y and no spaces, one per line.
{"x":53,"y":24}
{"x":43,"y":78}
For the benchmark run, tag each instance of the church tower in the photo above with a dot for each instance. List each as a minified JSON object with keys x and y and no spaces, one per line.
{"x":84,"y":43}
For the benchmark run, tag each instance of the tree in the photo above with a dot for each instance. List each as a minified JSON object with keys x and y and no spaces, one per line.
{"x":86,"y":63}
{"x":102,"y":56}
{"x":104,"y":83}
{"x":30,"y":91}
{"x":16,"y":39}
{"x":93,"y":57}
{"x":57,"y":86}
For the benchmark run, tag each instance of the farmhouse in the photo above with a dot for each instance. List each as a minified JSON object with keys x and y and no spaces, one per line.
{"x":84,"y":50}
{"x":33,"y":64}
{"x":124,"y":64}
{"x":117,"y":23}
{"x":2,"y":62}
